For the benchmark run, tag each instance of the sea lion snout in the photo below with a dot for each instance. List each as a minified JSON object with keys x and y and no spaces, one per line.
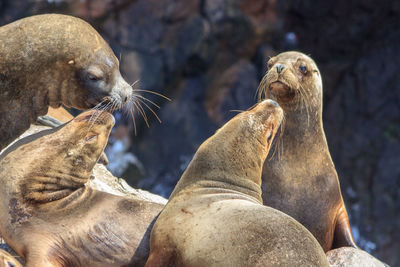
{"x":274,"y":103}
{"x":123,"y":90}
{"x":269,"y":107}
{"x":279,"y":67}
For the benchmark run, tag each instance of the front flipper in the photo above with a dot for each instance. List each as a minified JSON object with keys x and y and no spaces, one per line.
{"x":342,"y":235}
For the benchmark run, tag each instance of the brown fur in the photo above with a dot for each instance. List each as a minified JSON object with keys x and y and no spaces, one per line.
{"x":49,"y":60}
{"x":300,"y":178}
{"x":50,"y":218}
{"x":215,"y":215}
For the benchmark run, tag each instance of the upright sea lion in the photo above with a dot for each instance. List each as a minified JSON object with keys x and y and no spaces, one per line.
{"x":50,"y":218}
{"x":49,"y":60}
{"x":215,"y":215}
{"x":301,"y":179}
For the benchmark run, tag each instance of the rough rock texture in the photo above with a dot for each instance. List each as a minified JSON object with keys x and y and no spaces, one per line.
{"x":209,"y":55}
{"x":351,"y":257}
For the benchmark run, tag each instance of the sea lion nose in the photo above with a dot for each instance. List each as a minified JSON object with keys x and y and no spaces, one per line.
{"x":274,"y":103}
{"x":279,"y":68}
{"x":270,"y":101}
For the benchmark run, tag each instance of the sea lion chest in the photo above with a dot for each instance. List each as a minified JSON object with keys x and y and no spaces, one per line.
{"x":307,"y":189}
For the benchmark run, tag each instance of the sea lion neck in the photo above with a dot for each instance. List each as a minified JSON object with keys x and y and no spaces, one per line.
{"x":231,"y":160}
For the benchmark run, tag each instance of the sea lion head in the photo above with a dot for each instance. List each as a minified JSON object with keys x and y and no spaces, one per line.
{"x":254,"y":129}
{"x":82,"y":141}
{"x":293,"y":80}
{"x":263,"y":121}
{"x":235,"y":154}
{"x":80,"y":69}
{"x":53,"y":165}
{"x":95,"y":78}
{"x":96,"y":81}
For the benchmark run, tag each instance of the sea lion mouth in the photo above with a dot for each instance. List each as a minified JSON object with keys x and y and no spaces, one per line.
{"x":281,"y":91}
{"x":279,"y":88}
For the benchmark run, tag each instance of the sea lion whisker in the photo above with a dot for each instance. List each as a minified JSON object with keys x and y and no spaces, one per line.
{"x":141,"y":111}
{"x":250,"y":108}
{"x":148,"y":100}
{"x":278,"y":141}
{"x":151,"y":92}
{"x":134,"y":83}
{"x":98,"y":107}
{"x":97,"y":115}
{"x":100,"y":104}
{"x":133,"y":119}
{"x":261,"y":89}
{"x":152,"y":111}
{"x":236,"y":110}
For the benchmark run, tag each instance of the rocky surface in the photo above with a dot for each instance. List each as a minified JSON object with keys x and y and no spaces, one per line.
{"x":208,"y":57}
{"x":352,"y":257}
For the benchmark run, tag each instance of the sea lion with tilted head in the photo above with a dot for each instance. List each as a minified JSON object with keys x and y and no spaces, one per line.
{"x":300,"y":179}
{"x":53,"y":60}
{"x":215,"y":215}
{"x":50,"y":218}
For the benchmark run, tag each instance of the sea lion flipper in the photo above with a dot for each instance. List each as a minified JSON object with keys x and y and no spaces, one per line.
{"x":342,"y":235}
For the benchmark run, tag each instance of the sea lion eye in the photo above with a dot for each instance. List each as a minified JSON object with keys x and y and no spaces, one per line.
{"x":303,"y":69}
{"x":93,"y":77}
{"x":90,"y":138}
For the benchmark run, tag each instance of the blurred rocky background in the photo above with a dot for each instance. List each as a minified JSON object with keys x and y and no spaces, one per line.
{"x":208,"y":56}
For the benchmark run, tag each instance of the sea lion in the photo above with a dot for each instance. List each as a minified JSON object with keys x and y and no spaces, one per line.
{"x":52,"y":60}
{"x":6,"y":260}
{"x":215,"y":215}
{"x":300,"y":179}
{"x":51,"y":218}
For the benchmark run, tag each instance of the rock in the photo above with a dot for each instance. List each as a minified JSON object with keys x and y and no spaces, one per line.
{"x":104,"y":181}
{"x":143,"y":67}
{"x":352,"y":257}
{"x":234,"y":89}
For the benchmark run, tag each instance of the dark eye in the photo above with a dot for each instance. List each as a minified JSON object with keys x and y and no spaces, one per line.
{"x":93,"y":77}
{"x":303,"y":69}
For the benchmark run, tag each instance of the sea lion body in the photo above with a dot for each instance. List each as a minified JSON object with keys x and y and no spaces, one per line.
{"x":52,"y":60}
{"x":215,"y":215}
{"x":50,"y":218}
{"x":300,"y":179}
